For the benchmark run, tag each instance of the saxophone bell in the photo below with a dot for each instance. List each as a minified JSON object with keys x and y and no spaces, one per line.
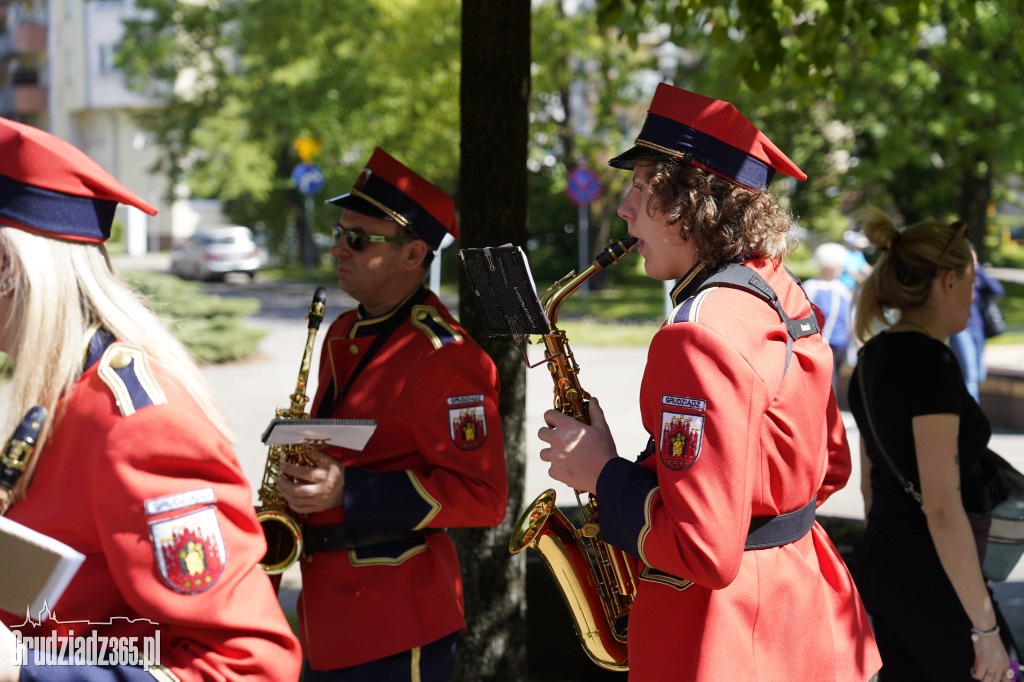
{"x":598,"y":618}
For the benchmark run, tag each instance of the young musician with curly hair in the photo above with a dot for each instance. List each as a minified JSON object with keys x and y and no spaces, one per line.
{"x":737,"y":581}
{"x":917,"y":564}
{"x":133,"y":467}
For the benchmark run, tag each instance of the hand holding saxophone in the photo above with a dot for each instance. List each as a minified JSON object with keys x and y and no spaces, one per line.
{"x":576,"y":451}
{"x":309,"y":489}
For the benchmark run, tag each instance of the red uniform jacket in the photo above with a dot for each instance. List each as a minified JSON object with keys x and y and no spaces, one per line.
{"x":436,"y":460}
{"x":734,"y":438}
{"x":138,"y":480}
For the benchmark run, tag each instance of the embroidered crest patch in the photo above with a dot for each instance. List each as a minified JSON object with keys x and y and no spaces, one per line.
{"x":189,"y":550}
{"x":467,"y":425}
{"x":363,"y":177}
{"x":681,"y":436}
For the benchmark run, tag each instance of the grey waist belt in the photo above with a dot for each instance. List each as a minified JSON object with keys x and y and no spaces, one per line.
{"x":775,"y":531}
{"x":327,"y":538}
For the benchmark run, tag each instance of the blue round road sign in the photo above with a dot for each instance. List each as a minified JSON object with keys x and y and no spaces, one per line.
{"x":583,"y":186}
{"x":308,"y":178}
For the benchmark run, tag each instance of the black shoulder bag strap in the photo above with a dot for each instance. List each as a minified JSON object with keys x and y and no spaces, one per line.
{"x":907,"y":485}
{"x":388,"y":329}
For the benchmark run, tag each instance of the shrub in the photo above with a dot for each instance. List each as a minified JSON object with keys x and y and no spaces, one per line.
{"x":208,"y":325}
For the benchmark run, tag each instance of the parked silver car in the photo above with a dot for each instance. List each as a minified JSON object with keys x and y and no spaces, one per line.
{"x":214,"y":252}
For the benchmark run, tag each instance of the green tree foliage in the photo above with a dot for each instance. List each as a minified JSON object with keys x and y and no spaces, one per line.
{"x":907,"y":104}
{"x":587,"y":106}
{"x":242,"y":79}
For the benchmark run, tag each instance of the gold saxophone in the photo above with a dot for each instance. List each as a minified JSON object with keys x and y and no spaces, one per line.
{"x":282,"y":532}
{"x":597,"y":581}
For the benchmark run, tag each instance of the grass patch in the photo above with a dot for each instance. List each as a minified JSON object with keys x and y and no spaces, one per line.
{"x":208,"y":325}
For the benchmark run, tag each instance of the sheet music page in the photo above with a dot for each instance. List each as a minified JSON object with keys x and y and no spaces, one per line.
{"x":505,"y":290}
{"x":36,"y":569}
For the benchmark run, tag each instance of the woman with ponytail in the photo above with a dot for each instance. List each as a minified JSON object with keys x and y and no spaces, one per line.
{"x":922,"y":439}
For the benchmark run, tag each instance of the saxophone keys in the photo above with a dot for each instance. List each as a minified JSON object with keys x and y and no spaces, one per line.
{"x":590,"y":530}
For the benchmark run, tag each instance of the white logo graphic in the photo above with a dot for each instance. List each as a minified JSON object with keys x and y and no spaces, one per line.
{"x":88,"y":648}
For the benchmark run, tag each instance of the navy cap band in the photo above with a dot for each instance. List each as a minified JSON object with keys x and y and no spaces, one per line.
{"x":54,"y":213}
{"x":403,"y":210}
{"x":680,"y":140}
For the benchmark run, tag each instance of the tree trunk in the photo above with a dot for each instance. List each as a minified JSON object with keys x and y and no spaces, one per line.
{"x":972,"y":205}
{"x":495,"y":92}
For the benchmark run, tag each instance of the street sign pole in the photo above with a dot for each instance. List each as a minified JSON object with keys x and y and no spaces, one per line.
{"x":583,"y":187}
{"x":583,"y":220}
{"x":309,"y":180}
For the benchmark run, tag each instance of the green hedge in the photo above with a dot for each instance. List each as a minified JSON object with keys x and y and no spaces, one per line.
{"x":209,"y":326}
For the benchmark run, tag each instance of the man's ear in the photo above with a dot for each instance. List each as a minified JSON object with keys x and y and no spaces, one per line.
{"x":415,"y":252}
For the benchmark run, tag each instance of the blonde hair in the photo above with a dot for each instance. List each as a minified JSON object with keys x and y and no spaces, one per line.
{"x":58,"y":289}
{"x":724,"y":221}
{"x":903,"y":275}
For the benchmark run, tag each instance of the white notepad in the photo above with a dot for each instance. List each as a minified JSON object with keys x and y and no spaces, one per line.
{"x":344,"y":433}
{"x":35,"y":568}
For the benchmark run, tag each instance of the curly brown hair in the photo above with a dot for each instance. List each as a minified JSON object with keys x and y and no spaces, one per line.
{"x":726,"y":222}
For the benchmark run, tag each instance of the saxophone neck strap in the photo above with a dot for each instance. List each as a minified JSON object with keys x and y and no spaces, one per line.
{"x":739,"y":276}
{"x":332,"y":397}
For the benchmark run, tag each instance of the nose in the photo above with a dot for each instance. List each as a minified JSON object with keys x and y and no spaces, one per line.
{"x":340,"y":249}
{"x":627,"y":207}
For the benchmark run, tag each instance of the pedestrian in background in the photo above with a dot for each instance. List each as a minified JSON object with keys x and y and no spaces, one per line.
{"x":969,"y":344}
{"x":134,"y":466}
{"x":832,"y":298}
{"x":744,"y":427}
{"x":856,"y":267}
{"x":923,"y":438}
{"x":381,"y":584}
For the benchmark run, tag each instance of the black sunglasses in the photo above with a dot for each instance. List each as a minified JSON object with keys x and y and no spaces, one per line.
{"x":960,"y":229}
{"x":357,"y":239}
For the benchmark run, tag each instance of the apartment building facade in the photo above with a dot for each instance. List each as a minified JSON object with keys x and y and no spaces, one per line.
{"x":57,"y":73}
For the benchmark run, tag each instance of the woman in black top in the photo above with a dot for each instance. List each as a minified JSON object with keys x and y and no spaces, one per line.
{"x":917,"y":565}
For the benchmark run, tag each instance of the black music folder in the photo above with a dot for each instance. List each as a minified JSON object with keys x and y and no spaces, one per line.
{"x":504,"y":289}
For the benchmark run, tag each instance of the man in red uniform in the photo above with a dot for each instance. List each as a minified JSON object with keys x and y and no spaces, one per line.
{"x":133,"y":467}
{"x":737,"y":581}
{"x":382,"y":591}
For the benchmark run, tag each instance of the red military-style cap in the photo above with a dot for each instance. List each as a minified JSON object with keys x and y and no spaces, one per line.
{"x":710,"y":134}
{"x":387,"y":189}
{"x":51,"y":187}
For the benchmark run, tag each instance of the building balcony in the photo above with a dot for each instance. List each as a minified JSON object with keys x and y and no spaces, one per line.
{"x":23,"y":100}
{"x":23,"y":38}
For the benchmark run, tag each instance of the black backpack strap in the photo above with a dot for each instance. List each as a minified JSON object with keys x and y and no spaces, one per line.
{"x":739,"y":276}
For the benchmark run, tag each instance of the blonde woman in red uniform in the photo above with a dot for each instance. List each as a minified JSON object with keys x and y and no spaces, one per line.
{"x":133,"y":467}
{"x":737,"y":580}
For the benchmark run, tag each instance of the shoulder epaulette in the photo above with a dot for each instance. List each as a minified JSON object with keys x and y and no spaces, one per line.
{"x":126,"y":372}
{"x":427,"y":319}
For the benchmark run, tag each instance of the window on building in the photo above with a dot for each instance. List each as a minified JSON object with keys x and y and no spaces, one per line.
{"x":106,"y":58}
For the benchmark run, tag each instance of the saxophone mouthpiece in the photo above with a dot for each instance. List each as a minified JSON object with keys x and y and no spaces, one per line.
{"x":316,"y":308}
{"x":615,"y":252}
